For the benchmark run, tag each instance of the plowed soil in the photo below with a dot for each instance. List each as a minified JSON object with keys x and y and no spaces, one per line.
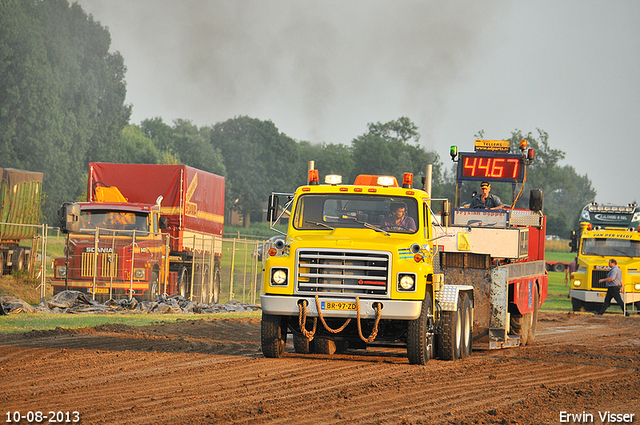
{"x":212,"y":371}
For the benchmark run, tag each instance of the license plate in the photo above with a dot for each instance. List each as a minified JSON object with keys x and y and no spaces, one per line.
{"x":101,"y":290}
{"x":332,"y":305}
{"x":602,"y":294}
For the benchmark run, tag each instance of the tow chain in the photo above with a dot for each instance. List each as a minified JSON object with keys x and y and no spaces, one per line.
{"x":302,"y":320}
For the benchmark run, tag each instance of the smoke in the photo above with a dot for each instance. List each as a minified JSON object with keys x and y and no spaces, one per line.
{"x":320,"y":70}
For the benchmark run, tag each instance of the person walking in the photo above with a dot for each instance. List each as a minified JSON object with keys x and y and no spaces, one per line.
{"x":614,"y":286}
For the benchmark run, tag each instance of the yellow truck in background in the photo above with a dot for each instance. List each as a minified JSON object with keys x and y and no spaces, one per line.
{"x":606,"y":232}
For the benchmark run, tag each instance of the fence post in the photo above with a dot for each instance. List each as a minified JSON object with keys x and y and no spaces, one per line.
{"x":133,"y":255}
{"x":43,"y":264}
{"x":233,"y":266}
{"x":244,"y":271}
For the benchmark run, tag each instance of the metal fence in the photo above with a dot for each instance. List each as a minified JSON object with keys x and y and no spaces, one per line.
{"x":241,"y":263}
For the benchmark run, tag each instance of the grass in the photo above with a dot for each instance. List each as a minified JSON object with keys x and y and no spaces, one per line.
{"x":29,"y":322}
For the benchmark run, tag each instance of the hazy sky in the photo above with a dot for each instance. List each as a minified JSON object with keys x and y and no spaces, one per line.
{"x":321,"y":70}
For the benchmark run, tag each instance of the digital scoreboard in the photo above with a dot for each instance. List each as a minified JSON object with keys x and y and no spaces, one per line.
{"x":491,"y":167}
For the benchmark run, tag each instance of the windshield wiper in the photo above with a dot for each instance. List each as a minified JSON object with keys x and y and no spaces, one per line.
{"x":319,"y":224}
{"x":622,"y":252}
{"x":372,"y":227}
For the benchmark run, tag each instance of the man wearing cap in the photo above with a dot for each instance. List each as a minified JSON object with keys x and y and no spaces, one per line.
{"x":485,"y":199}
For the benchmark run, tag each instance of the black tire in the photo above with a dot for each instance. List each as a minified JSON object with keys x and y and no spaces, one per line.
{"x":302,"y":345}
{"x":184,"y":283}
{"x":206,"y":285}
{"x":154,"y":287}
{"x":577,"y":305}
{"x":420,"y":335}
{"x":451,"y":337}
{"x":558,"y":267}
{"x":531,"y":337}
{"x":467,"y":326}
{"x":273,"y":335}
{"x":521,"y":326}
{"x":18,"y":260}
{"x":216,"y":285}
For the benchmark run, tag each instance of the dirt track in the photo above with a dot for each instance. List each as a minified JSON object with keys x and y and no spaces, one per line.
{"x":213,"y":372}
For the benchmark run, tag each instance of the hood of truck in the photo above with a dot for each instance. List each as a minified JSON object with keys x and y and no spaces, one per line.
{"x":357,"y":239}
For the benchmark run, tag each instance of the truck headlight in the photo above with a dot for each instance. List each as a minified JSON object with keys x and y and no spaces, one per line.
{"x":406,"y":282}
{"x":278,"y":276}
{"x":577,"y":283}
{"x":637,"y":287}
{"x":138,"y":273}
{"x":61,"y":271}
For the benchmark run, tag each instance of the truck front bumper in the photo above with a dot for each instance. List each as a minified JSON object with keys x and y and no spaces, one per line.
{"x":391,"y":309}
{"x":598,"y":296}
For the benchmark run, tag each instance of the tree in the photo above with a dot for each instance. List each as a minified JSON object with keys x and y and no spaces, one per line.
{"x":193,"y":147}
{"x":258,"y":159}
{"x":384,"y":149}
{"x":565,"y":192}
{"x":328,"y":159}
{"x":61,"y":95}
{"x":135,"y":148}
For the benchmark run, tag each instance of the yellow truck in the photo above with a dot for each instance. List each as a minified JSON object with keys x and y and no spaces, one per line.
{"x":370,"y":264}
{"x":606,"y":232}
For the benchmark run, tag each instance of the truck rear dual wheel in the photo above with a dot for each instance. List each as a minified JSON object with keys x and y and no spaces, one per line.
{"x":467,"y":326}
{"x":456,"y":337}
{"x":273,"y":335}
{"x":525,"y":325}
{"x":420,"y":335}
{"x":18,"y":260}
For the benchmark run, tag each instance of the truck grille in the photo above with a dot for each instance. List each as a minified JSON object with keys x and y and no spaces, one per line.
{"x":596,"y":275}
{"x":343,"y":272}
{"x":107,"y":262}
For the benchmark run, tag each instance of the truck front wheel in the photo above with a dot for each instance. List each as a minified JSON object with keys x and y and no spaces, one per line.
{"x":154,"y":287}
{"x":577,"y":305}
{"x":420,"y":335}
{"x":273,"y":335}
{"x":216,"y":285}
{"x":184,"y":282}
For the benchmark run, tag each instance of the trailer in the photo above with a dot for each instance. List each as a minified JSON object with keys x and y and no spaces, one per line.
{"x":145,"y":230}
{"x":20,"y":199}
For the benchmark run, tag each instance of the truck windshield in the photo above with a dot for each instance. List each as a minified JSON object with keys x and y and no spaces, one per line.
{"x":395,"y":214}
{"x":114,"y":220}
{"x":610,"y":247}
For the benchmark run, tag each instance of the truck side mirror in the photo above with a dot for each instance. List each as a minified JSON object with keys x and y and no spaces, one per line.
{"x":535,"y":200}
{"x":445,"y":215}
{"x":272,"y":208}
{"x":573,"y":243}
{"x":69,"y":218}
{"x":163,"y":223}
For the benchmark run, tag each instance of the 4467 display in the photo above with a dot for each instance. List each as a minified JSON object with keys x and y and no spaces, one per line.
{"x":42,"y":417}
